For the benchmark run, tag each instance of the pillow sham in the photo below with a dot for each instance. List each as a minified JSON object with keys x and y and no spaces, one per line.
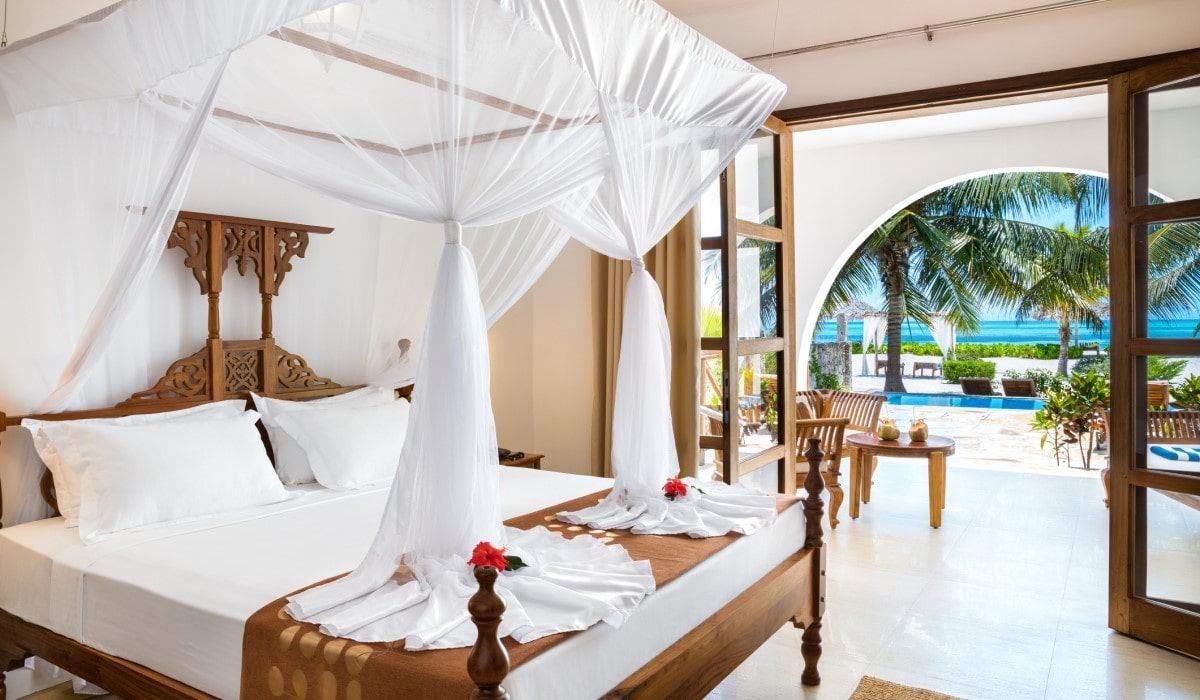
{"x":291,"y":462}
{"x":350,"y":447}
{"x":48,"y":433}
{"x":161,"y":473}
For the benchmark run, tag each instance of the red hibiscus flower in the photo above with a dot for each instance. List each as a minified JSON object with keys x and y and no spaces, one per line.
{"x":485,"y":554}
{"x":674,"y":488}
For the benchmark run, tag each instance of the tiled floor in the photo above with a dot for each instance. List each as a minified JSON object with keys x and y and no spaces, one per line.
{"x":1007,"y":600}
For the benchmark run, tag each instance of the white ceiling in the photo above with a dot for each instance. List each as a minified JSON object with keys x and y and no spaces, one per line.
{"x":1106,"y":31}
{"x":1079,"y":36}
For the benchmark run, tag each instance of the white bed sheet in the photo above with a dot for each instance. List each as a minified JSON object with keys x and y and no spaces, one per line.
{"x":176,"y":599}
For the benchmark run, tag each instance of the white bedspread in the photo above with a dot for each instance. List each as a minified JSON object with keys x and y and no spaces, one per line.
{"x":176,"y":599}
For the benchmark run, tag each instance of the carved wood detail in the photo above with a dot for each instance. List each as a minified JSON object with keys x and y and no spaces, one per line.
{"x":191,"y":236}
{"x":294,"y":373}
{"x":185,"y":379}
{"x":242,"y":371}
{"x":289,"y":243}
{"x":244,"y":244}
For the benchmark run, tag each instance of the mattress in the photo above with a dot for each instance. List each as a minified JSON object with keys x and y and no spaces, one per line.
{"x":176,"y":598}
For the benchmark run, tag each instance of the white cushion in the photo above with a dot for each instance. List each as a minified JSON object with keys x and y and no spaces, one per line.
{"x":48,"y":433}
{"x":290,"y":460}
{"x":350,"y":447}
{"x":138,"y":475}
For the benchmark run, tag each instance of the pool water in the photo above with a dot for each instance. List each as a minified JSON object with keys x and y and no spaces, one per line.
{"x":960,"y":401}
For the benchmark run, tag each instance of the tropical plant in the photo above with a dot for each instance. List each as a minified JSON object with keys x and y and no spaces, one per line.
{"x":1164,"y":368}
{"x":1072,"y":417}
{"x":1187,"y":392}
{"x":950,"y":251}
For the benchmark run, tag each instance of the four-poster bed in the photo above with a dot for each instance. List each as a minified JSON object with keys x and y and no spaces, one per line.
{"x":692,"y":662}
{"x":522,"y":120}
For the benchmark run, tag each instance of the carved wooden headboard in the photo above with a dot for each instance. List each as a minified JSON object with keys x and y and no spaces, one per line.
{"x":224,"y":369}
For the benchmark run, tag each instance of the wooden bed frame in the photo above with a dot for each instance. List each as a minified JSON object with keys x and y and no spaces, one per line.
{"x":223,"y":369}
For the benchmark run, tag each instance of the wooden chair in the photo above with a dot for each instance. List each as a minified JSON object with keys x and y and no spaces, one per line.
{"x":1163,"y":427}
{"x":810,"y":403}
{"x":862,"y":410}
{"x":1018,"y":387}
{"x":831,"y":433}
{"x":976,"y":386}
{"x":1158,"y":395}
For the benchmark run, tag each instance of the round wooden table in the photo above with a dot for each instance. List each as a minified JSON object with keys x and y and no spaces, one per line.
{"x":865,"y":447}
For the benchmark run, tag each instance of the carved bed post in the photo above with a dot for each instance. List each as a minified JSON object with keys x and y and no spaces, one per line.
{"x":814,"y":511}
{"x":488,"y":663}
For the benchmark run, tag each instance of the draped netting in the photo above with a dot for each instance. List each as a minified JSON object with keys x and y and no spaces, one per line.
{"x":667,"y":136}
{"x":605,"y":118}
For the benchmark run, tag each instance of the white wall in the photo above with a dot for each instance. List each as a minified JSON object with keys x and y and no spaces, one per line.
{"x":543,"y":363}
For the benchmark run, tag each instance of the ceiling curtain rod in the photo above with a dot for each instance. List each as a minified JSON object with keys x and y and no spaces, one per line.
{"x":927,"y":29}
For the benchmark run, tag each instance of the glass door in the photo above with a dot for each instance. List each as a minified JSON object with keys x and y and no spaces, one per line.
{"x":748,"y":372}
{"x":1154,"y":536}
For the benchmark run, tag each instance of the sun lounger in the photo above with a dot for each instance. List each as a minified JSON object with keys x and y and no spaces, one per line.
{"x":881,"y":365}
{"x":1018,"y":387}
{"x":976,"y":386}
{"x":1093,"y":348}
{"x":934,"y":368}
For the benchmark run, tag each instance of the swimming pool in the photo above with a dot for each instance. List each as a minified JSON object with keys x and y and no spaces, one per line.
{"x":960,"y":401}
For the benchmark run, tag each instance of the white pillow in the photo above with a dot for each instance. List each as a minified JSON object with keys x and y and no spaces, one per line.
{"x":137,"y":475}
{"x":350,"y":447}
{"x":291,"y":463}
{"x":48,"y":433}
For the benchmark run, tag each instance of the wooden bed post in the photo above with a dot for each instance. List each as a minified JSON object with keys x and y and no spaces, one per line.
{"x":488,"y":663}
{"x":814,"y":511}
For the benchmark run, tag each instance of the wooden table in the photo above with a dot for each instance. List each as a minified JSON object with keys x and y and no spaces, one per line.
{"x":531,"y":460}
{"x":865,"y":447}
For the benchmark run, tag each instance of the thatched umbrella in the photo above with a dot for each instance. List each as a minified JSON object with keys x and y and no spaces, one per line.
{"x":856,"y":308}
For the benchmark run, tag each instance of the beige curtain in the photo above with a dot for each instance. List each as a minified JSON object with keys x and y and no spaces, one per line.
{"x":675,"y":265}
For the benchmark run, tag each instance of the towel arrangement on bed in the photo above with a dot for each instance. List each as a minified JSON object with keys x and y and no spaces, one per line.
{"x":1180,"y":454}
{"x":281,"y":655}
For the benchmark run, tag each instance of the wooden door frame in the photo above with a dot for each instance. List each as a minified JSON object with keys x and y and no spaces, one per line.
{"x":1130,"y":610}
{"x":783,"y":455}
{"x":1128,"y":413}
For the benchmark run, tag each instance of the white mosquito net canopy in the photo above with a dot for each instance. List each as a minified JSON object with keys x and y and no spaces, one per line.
{"x":524,"y":119}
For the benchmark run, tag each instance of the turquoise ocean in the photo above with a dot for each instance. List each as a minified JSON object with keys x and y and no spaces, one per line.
{"x":1006,"y":331}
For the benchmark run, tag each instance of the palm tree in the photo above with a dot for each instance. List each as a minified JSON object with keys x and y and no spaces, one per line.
{"x":1066,"y":281}
{"x":952,"y":250}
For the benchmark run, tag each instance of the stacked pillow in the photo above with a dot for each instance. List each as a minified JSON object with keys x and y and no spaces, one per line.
{"x":114,"y":474}
{"x":343,"y":442}
{"x":121,"y":473}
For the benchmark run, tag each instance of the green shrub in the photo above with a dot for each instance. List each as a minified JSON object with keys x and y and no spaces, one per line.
{"x":822,"y":380}
{"x":1044,"y":381}
{"x":1187,"y":394}
{"x":954,"y":370}
{"x":1099,"y":365}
